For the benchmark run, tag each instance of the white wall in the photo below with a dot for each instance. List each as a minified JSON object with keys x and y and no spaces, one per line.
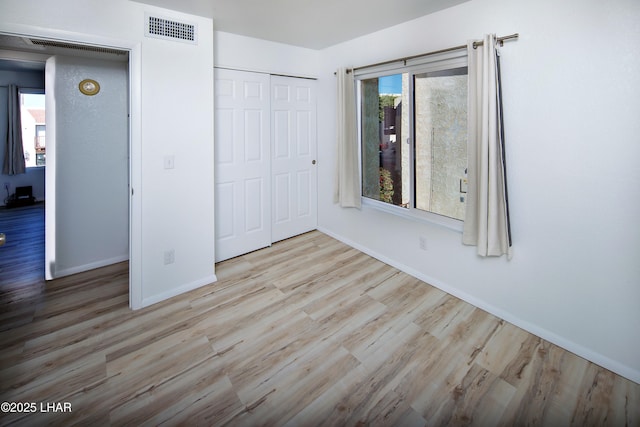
{"x":88,"y":167}
{"x":34,"y":176}
{"x":572,"y":103}
{"x":171,"y":86}
{"x":250,"y":54}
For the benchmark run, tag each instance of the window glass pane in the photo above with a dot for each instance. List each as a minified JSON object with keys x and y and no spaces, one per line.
{"x":32,"y":115}
{"x":440,"y":105}
{"x":385,"y":160}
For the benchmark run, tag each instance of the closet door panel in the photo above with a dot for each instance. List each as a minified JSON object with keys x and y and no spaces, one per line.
{"x":242,"y":162}
{"x":294,"y":147}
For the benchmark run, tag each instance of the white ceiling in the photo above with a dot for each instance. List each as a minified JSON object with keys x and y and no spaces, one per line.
{"x":314,"y":24}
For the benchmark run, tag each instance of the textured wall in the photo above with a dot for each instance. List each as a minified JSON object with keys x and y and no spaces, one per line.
{"x":88,"y":164}
{"x":371,"y":139}
{"x":441,"y":143}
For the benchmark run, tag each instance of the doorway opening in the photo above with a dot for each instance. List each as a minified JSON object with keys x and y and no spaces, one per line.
{"x":20,"y":55}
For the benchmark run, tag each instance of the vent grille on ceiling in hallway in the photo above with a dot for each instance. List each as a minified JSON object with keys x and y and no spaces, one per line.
{"x":167,"y":29}
{"x":86,"y":48}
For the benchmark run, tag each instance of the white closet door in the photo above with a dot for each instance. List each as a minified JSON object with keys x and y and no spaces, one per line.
{"x":242,"y":162}
{"x":293,"y":154}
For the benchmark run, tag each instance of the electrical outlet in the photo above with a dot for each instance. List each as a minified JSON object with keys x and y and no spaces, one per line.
{"x":169,"y":257}
{"x":423,"y":243}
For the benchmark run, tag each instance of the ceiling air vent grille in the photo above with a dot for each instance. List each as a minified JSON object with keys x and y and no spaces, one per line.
{"x":86,"y":48}
{"x":171,"y":30}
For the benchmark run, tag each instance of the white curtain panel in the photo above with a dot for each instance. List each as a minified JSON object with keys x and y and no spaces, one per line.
{"x":14,"y":163}
{"x":347,"y":190}
{"x":486,"y":223}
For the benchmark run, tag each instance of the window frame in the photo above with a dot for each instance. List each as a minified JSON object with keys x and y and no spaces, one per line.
{"x":415,"y":66}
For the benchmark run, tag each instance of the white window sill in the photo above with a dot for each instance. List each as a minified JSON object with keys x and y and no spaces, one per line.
{"x":414,"y":214}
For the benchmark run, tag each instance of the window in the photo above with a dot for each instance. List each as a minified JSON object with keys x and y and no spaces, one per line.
{"x":413,"y":133}
{"x":32,"y":115}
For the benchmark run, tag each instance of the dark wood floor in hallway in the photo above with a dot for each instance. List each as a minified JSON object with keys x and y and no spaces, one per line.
{"x":307,"y":332}
{"x":22,"y":257}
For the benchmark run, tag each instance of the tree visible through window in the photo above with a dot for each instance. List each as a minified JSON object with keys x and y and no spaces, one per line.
{"x":32,"y":113}
{"x":414,"y":140}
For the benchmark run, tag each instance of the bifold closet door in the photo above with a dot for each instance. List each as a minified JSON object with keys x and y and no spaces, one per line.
{"x":265,"y":160}
{"x":293,"y":154}
{"x":242,"y":162}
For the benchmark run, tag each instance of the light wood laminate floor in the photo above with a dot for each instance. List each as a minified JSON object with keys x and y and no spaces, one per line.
{"x":307,"y":332}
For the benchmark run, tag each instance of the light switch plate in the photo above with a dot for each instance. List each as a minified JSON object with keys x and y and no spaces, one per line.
{"x":169,"y":162}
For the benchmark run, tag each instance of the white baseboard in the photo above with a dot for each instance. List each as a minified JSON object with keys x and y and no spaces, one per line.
{"x":91,"y":266}
{"x":177,"y":291}
{"x":584,"y":352}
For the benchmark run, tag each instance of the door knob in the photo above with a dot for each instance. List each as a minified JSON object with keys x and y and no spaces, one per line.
{"x":313,"y":162}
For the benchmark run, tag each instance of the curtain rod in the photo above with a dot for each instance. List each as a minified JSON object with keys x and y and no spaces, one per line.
{"x":500,"y":40}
